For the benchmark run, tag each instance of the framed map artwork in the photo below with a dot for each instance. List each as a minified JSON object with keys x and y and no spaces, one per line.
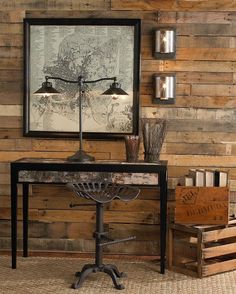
{"x":92,"y":48}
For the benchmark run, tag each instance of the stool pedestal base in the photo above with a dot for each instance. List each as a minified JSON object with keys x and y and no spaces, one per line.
{"x":109,"y":269}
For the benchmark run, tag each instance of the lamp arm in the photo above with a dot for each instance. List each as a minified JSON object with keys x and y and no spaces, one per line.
{"x":99,"y":80}
{"x":61,"y":79}
{"x":80,"y":80}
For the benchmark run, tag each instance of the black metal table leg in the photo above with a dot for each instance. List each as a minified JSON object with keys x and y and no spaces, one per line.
{"x":25,"y":218}
{"x":163,"y":213}
{"x":13,"y":216}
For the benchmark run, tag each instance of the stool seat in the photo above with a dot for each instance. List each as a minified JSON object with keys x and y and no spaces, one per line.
{"x":102,"y":193}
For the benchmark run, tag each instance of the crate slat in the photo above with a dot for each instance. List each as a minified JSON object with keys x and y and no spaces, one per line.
{"x":219,"y":234}
{"x":219,"y":250}
{"x":219,"y":267}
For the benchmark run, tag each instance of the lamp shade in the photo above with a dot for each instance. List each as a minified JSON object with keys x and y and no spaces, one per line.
{"x":115,"y":89}
{"x":47,"y":89}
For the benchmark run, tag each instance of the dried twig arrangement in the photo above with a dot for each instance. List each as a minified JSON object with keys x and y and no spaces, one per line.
{"x":154,"y":131}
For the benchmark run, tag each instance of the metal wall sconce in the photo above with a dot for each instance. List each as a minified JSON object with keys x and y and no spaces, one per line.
{"x":165,"y":43}
{"x":164,"y":88}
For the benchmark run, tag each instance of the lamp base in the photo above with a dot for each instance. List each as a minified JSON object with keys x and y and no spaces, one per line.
{"x":81,"y":156}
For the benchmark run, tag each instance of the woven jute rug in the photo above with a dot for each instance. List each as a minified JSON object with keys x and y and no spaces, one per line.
{"x":55,"y":275}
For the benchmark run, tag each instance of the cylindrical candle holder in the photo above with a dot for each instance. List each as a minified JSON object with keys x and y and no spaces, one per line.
{"x":132,"y":148}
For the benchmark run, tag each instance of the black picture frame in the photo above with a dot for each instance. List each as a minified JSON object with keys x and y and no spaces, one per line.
{"x":43,"y":38}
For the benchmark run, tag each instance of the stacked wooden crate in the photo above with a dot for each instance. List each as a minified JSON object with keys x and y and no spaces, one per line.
{"x":202,"y":251}
{"x":202,"y":241}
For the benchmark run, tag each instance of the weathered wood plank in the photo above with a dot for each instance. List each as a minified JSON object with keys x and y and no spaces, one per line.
{"x":12,"y":63}
{"x":200,"y":160}
{"x":64,"y":201}
{"x":11,"y":86}
{"x":4,"y":179}
{"x":207,"y":29}
{"x":143,"y":5}
{"x":195,"y":77}
{"x":218,"y":267}
{"x":36,"y":229}
{"x":56,"y":5}
{"x":12,"y":16}
{"x":10,"y":133}
{"x":192,"y":66}
{"x":4,"y":167}
{"x":11,"y":52}
{"x":193,"y":125}
{"x":195,"y":101}
{"x":6,"y":77}
{"x":226,"y":115}
{"x":81,"y":245}
{"x":204,"y":17}
{"x":146,"y":193}
{"x":10,"y":110}
{"x":193,"y":29}
{"x":70,"y":145}
{"x":214,"y":90}
{"x":70,"y":215}
{"x":197,"y":149}
{"x":213,"y":5}
{"x":149,"y":15}
{"x":16,"y":144}
{"x":167,"y":147}
{"x":219,"y":234}
{"x":171,"y":5}
{"x":204,"y":42}
{"x":203,"y":137}
{"x":23,"y":4}
{"x":8,"y":122}
{"x":14,"y":155}
{"x":206,"y":54}
{"x":11,"y":98}
{"x":79,"y":5}
{"x":12,"y":29}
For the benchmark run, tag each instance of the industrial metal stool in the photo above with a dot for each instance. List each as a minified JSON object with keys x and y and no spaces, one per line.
{"x":102,"y":193}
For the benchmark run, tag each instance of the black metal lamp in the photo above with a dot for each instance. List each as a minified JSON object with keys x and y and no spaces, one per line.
{"x":47,"y":89}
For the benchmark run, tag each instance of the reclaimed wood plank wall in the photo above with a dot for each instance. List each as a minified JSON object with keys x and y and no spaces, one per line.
{"x":201,"y":125}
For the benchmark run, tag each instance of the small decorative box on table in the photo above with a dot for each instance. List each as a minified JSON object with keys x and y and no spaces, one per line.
{"x":204,"y":250}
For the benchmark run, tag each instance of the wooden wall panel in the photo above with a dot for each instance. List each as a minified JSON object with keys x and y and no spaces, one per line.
{"x":55,"y":4}
{"x":170,"y":5}
{"x":201,"y":124}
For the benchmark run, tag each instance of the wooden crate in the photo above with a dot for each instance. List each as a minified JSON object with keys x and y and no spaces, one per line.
{"x":202,"y":251}
{"x":202,"y":205}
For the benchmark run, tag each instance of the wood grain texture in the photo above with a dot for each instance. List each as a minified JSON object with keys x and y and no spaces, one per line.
{"x":174,"y":5}
{"x":202,"y":251}
{"x":202,"y":205}
{"x":201,"y":124}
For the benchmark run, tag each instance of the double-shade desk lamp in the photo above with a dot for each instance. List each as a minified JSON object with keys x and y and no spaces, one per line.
{"x":48,"y":90}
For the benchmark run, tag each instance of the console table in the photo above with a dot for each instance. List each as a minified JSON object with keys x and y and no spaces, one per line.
{"x":27,"y":171}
